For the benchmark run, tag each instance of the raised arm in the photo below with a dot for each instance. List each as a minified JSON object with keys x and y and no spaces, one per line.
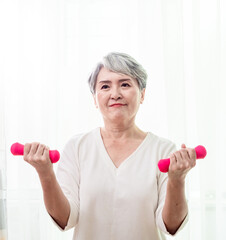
{"x":175,"y":208}
{"x":55,"y":201}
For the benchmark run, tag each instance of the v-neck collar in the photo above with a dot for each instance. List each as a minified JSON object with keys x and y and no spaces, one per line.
{"x":107,"y":157}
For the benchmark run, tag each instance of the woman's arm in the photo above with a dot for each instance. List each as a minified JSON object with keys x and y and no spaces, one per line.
{"x":175,"y":208}
{"x":56,"y":203}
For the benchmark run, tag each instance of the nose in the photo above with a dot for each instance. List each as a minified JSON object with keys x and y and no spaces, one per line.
{"x":116,"y":93}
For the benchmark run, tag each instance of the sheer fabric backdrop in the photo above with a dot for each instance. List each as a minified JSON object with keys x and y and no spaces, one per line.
{"x":50,"y":47}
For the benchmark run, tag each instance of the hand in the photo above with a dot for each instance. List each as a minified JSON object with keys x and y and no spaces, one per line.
{"x":37,"y":155}
{"x":181,"y":162}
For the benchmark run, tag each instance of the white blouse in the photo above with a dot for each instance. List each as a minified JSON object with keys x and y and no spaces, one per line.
{"x":109,"y":203}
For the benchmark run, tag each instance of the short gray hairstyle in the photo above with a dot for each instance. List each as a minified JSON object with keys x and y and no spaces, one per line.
{"x":119,"y":63}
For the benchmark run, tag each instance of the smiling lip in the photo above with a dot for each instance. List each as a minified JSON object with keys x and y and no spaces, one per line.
{"x":117,"y":105}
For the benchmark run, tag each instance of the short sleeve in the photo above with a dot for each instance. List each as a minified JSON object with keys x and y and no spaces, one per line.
{"x":162,"y":188}
{"x":68,"y":177}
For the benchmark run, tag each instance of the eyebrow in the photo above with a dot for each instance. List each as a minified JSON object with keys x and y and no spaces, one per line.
{"x":109,"y":81}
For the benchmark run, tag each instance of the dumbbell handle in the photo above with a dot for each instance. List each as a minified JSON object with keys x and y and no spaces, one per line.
{"x":163,"y":164}
{"x":18,"y":149}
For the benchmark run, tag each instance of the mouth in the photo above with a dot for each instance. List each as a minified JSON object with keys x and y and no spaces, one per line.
{"x":117,"y":105}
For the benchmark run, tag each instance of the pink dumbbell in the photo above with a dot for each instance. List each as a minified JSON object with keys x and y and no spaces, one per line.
{"x":163,"y":164}
{"x":18,"y":149}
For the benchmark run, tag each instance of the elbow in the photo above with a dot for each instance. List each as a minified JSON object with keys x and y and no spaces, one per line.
{"x":173,"y":224}
{"x":172,"y":231}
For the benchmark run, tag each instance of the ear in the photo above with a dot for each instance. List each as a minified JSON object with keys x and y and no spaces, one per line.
{"x":95,"y":101}
{"x":142,"y":95}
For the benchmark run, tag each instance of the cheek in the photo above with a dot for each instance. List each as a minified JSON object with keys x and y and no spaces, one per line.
{"x":135,"y":97}
{"x":100,"y":99}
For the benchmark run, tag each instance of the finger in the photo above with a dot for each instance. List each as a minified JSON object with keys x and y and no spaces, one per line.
{"x":184,"y":154}
{"x":173,"y":162}
{"x":181,"y":163}
{"x":34,"y":147}
{"x":46,"y":152}
{"x":40,"y":150}
{"x":183,"y":145}
{"x":27,"y":148}
{"x":173,"y":159}
{"x":185,"y":158}
{"x":192,"y":155}
{"x":178,"y":156}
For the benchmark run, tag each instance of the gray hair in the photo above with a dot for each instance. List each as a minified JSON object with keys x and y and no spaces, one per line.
{"x":119,"y":63}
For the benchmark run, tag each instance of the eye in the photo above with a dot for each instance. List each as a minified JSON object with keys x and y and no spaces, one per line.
{"x":125,"y":85}
{"x":105,"y":86}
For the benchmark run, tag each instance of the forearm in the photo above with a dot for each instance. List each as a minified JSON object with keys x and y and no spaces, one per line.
{"x":55,"y":201}
{"x":175,"y":208}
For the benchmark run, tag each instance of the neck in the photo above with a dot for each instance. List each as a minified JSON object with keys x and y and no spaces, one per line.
{"x":121,"y":131}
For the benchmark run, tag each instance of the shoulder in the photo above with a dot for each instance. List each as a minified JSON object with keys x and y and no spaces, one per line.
{"x":163,"y":145}
{"x":160,"y":139}
{"x":82,"y":138}
{"x":75,"y":146}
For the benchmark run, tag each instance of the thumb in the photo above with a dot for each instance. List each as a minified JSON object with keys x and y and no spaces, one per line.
{"x":183,"y":145}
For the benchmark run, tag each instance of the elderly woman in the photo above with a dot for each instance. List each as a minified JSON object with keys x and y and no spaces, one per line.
{"x":108,"y":185}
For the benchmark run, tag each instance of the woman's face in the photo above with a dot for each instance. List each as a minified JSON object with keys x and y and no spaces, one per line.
{"x":117,"y":96}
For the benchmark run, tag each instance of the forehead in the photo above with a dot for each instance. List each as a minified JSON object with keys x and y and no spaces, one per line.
{"x":106,"y":74}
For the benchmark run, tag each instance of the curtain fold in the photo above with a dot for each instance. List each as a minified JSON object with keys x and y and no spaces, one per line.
{"x":48,"y":50}
{"x":3,"y":185}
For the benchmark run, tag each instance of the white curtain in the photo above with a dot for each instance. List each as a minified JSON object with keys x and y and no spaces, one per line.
{"x":47,"y":50}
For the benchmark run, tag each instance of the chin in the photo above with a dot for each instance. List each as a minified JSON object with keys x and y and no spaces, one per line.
{"x":118,"y":118}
